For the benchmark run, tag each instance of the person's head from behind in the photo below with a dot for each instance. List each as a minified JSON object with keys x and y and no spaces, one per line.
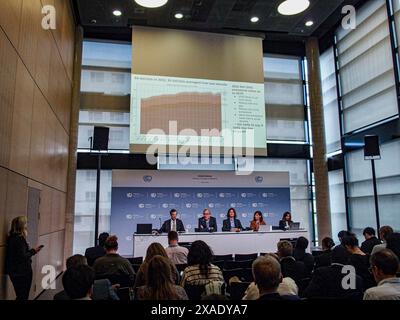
{"x":19,"y":226}
{"x":384,"y":265}
{"x":368,"y":233}
{"x":393,"y":243}
{"x":75,"y":261}
{"x":173,"y":238}
{"x":339,"y":256}
{"x":350,"y":242}
{"x":258,"y":216}
{"x":111,"y":244}
{"x":231,"y":213}
{"x":285,"y":249}
{"x":200,"y":254}
{"x":385,"y":232}
{"x":206,"y":214}
{"x":78,"y":281}
{"x":267,"y":274}
{"x":327,"y":243}
{"x":155,"y":249}
{"x":301,"y":244}
{"x":287,"y":216}
{"x":102,"y":238}
{"x":158,"y":279}
{"x":342,"y":234}
{"x":173,"y":213}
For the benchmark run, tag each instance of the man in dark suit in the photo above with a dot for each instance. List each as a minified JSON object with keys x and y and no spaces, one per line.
{"x":370,"y":240}
{"x":98,"y":251}
{"x":173,"y":224}
{"x":207,"y":223}
{"x":327,"y":281}
{"x":289,"y":266}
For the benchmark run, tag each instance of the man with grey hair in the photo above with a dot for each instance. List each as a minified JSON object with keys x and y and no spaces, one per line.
{"x":267,"y":276}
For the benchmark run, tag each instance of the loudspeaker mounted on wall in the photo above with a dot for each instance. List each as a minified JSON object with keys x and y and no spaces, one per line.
{"x":371,"y":147}
{"x":100,"y":138}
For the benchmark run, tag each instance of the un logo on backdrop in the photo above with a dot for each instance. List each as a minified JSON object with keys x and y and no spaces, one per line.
{"x":259,"y":179}
{"x":147,"y":178}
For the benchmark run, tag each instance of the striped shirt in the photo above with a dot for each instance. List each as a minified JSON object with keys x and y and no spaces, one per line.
{"x":192,"y":275}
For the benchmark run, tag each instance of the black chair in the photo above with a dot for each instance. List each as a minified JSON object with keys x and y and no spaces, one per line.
{"x":194,"y":292}
{"x":137,"y":260}
{"x":302,"y":285}
{"x":220,"y":264}
{"x":242,"y":257}
{"x":136,"y":267}
{"x":237,"y":290}
{"x":124,"y":294}
{"x":238,"y":264}
{"x":181,"y":267}
{"x":228,"y":274}
{"x":225,"y":257}
{"x":124,"y":280}
{"x":247,"y":275}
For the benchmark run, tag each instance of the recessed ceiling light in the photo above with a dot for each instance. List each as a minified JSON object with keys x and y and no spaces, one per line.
{"x":178,"y":15}
{"x":292,"y":7}
{"x":255,"y":19}
{"x":151,"y":3}
{"x":309,"y":23}
{"x":117,"y":13}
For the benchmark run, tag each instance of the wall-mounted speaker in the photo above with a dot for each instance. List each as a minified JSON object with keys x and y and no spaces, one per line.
{"x":371,"y":147}
{"x":100,"y":138}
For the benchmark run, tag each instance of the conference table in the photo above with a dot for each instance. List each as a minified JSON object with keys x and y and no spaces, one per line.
{"x":244,"y":242}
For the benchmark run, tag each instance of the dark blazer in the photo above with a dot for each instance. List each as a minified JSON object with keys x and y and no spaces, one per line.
{"x":323,"y":260}
{"x":306,"y":258}
{"x":212,"y":224}
{"x":369,"y":244}
{"x":93,"y":253}
{"x":327,"y":283}
{"x":226,"y":226}
{"x":19,"y":256}
{"x":282,"y":224}
{"x":166,"y":227}
{"x":102,"y":290}
{"x":293,"y":269}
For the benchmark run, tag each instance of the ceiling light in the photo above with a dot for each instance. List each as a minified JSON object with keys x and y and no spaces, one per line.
{"x":178,"y":15}
{"x":117,"y":13}
{"x":254,"y":19}
{"x":292,"y":7}
{"x":309,"y":23}
{"x":151,"y":3}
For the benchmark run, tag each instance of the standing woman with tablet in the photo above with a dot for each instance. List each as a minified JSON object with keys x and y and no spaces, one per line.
{"x":19,"y":258}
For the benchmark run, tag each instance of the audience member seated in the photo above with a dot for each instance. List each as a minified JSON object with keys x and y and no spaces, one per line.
{"x":267,"y":276}
{"x":359,"y":260}
{"x":324,"y":259}
{"x":155,"y":249}
{"x":112,"y":263}
{"x":78,"y":282}
{"x":200,"y":270}
{"x":384,"y":233}
{"x":289,"y":266}
{"x":286,"y":288}
{"x":159,"y":285}
{"x":98,"y":251}
{"x":257,"y":221}
{"x":327,"y":282}
{"x":300,"y":254}
{"x":176,"y":253}
{"x":102,"y":289}
{"x":370,"y":240}
{"x":384,"y":266}
{"x":393,"y":243}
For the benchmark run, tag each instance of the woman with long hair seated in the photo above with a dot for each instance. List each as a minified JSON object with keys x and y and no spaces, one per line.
{"x":286,"y":222}
{"x":231,"y":223}
{"x":257,"y":221}
{"x":200,"y":270}
{"x":155,"y":249}
{"x":159,"y":285}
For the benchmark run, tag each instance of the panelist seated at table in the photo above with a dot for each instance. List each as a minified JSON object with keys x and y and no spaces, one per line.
{"x":173,"y":224}
{"x":257,"y":221}
{"x":207,"y":223}
{"x":286,"y":223}
{"x":231,"y":223}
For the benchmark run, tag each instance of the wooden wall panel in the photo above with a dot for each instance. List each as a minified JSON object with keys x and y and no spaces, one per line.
{"x":3,"y":192}
{"x":10,"y":19}
{"x":22,"y":121}
{"x":43,"y":60}
{"x":8,"y":70}
{"x":45,"y":210}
